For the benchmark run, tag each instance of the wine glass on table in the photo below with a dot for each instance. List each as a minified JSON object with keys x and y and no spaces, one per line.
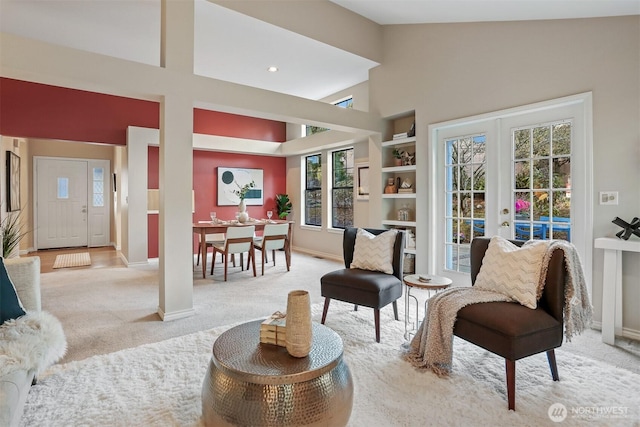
{"x":269,"y":214}
{"x":213,"y":217}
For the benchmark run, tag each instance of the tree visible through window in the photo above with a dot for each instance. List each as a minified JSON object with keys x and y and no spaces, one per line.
{"x":345,"y":103}
{"x":342,"y":189}
{"x":313,"y":190}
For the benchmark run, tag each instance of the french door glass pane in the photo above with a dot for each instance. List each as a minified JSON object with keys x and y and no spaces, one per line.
{"x":465,"y":168}
{"x":542,"y":181}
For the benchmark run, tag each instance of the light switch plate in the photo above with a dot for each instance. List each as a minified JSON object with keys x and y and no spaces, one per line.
{"x":608,"y":197}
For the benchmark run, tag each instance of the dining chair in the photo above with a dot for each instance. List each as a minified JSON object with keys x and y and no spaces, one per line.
{"x":210,"y":239}
{"x":274,"y":237}
{"x":238,"y":241}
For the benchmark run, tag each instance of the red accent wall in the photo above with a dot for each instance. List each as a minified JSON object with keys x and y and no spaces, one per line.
{"x":224,"y":124}
{"x":205,"y":185}
{"x":34,"y":110}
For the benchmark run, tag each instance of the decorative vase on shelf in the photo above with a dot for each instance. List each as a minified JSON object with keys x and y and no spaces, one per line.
{"x":244,"y":216}
{"x":299,"y":336}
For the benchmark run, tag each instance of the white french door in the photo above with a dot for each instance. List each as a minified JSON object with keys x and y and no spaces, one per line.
{"x":521,"y":174}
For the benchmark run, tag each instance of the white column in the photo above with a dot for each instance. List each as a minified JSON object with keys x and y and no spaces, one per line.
{"x":134,"y":207}
{"x":176,"y":167}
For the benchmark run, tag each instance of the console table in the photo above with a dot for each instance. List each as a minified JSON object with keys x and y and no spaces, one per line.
{"x":612,"y":284}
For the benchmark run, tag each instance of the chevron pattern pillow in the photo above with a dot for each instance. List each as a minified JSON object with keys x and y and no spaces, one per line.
{"x":374,"y":253}
{"x":511,"y":270}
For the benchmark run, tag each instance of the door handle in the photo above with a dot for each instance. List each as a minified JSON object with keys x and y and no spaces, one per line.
{"x":84,"y":211}
{"x":505,"y":224}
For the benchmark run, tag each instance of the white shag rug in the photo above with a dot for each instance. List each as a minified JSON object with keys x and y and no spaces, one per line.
{"x":160,"y":384}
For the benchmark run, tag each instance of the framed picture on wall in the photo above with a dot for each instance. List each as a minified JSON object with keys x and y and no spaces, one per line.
{"x":362,"y":181}
{"x":233,"y":179}
{"x":13,"y":182}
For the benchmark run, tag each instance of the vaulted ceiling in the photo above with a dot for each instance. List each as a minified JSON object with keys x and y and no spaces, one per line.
{"x":234,"y":47}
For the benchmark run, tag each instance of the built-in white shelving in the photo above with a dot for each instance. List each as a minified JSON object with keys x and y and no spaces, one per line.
{"x":398,"y":208}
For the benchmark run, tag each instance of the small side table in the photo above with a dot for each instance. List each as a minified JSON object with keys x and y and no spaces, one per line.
{"x":434,"y":284}
{"x":249,"y":383}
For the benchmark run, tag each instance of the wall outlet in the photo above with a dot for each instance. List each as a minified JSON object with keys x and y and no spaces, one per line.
{"x":608,"y":197}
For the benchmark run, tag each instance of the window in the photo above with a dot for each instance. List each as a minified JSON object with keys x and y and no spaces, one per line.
{"x":342,"y":188}
{"x":313,"y":190}
{"x":542,"y":181}
{"x":310,"y":130}
{"x":464,"y":168}
{"x":98,"y":187}
{"x":63,"y":188}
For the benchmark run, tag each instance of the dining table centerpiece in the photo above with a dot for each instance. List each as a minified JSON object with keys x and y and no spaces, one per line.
{"x":241,"y":192}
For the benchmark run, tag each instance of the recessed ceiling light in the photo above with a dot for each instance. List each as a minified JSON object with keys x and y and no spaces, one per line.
{"x":272,"y":69}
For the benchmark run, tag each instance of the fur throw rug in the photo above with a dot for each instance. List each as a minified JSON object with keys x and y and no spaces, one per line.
{"x":34,"y":341}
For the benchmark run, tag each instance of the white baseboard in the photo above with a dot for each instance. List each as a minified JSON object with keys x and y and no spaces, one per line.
{"x":633,"y":334}
{"x":318,"y":254}
{"x":167,"y":317}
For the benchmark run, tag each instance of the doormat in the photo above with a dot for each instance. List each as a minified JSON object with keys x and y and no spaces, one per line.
{"x":72,"y":260}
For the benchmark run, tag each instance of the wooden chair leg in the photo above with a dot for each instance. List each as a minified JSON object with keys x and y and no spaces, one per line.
{"x":198,"y":259}
{"x":376,"y":319}
{"x":226,"y":264}
{"x":213,"y":261}
{"x":252,"y":255}
{"x":395,"y":309}
{"x":287,"y":260}
{"x":325,"y":309}
{"x":264,"y":258}
{"x":511,"y":383}
{"x":551,"y":356}
{"x":273,"y":255}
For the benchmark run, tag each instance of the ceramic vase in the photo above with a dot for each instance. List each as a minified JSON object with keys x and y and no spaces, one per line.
{"x":298,"y":337}
{"x":244,"y":216}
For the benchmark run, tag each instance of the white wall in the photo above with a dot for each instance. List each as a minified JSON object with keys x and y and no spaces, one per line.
{"x":449,"y":71}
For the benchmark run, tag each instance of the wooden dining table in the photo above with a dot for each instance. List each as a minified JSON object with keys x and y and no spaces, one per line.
{"x":209,"y":227}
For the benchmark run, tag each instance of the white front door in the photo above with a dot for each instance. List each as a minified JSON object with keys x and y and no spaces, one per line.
{"x":61,"y":202}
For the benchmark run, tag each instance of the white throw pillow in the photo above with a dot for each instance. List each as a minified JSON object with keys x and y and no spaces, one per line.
{"x":374,"y":253}
{"x":511,"y":270}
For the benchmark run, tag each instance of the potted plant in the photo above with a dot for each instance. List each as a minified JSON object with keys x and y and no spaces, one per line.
{"x":12,"y":230}
{"x":283,"y":205}
{"x":397,"y":156}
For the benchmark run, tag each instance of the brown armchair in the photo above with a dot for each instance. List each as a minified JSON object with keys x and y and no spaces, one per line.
{"x":511,"y":330}
{"x":363,"y":287}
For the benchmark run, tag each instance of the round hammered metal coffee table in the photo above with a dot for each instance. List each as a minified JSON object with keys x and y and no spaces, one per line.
{"x":253,"y":384}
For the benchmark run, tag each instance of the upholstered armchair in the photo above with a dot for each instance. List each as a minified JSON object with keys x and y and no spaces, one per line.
{"x":369,"y":288}
{"x":510,"y":329}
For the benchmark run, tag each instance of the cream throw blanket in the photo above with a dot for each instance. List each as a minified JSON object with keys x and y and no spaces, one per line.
{"x":432,"y":345}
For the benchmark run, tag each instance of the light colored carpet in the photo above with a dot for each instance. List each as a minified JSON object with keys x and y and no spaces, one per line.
{"x":72,"y":260}
{"x":160,"y":384}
